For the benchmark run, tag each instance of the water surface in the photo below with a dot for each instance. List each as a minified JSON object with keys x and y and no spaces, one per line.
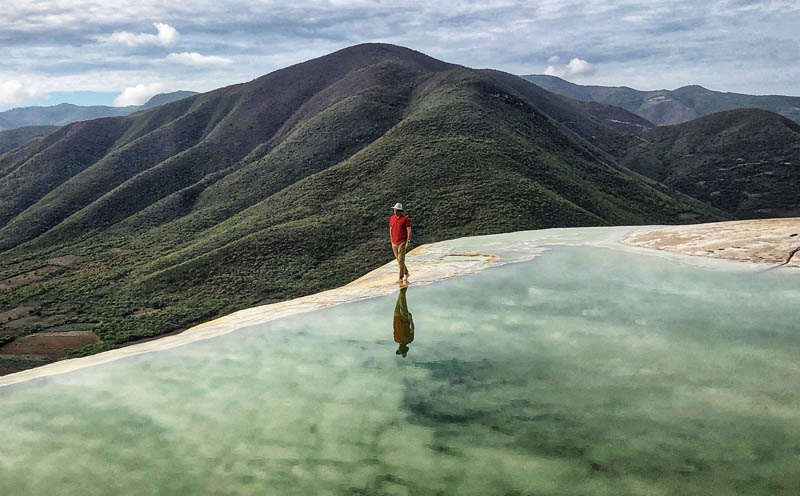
{"x":584,"y":371}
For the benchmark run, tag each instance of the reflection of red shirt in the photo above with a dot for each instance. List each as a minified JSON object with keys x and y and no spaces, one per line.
{"x":399,"y":226}
{"x":403,"y":329}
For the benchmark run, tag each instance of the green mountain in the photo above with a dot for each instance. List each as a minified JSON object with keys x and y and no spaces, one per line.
{"x":163,"y":98}
{"x":665,"y":107}
{"x":66,"y":113}
{"x":745,"y":162}
{"x":21,"y":136}
{"x":140,"y":225}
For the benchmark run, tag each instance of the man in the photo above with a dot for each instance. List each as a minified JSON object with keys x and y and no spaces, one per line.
{"x":400,"y":235}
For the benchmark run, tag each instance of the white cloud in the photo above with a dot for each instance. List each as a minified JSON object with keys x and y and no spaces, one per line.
{"x":555,"y":59}
{"x":166,"y":36}
{"x":576,"y":68}
{"x":721,"y":44}
{"x":12,"y":91}
{"x":194,"y":58}
{"x":137,"y":95}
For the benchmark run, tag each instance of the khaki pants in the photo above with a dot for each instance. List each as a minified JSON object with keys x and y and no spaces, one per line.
{"x":400,"y":254}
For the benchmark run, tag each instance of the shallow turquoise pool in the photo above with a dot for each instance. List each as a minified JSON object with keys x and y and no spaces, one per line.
{"x":585,"y":371}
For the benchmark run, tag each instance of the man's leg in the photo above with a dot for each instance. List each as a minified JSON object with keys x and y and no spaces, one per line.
{"x":401,"y":259}
{"x":396,"y":251}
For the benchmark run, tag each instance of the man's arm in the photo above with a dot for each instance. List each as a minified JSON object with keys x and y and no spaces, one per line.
{"x":408,"y":239}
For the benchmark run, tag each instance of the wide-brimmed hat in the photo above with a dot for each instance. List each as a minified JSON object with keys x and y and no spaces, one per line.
{"x":398,"y":206}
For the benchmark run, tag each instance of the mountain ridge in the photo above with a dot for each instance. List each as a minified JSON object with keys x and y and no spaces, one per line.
{"x":667,"y":107}
{"x":67,"y":113}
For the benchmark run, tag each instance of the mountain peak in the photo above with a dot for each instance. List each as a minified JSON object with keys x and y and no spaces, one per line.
{"x":692,"y":89}
{"x":365,"y":54}
{"x":163,"y":98}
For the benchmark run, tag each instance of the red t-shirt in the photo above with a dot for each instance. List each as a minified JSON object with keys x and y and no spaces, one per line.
{"x":399,"y":227}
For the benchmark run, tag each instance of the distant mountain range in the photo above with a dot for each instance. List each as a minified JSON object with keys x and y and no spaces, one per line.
{"x":66,"y":113}
{"x":666,"y":107}
{"x":282,"y":186}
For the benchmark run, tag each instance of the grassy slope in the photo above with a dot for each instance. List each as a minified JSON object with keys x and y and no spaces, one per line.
{"x":286,"y":188}
{"x":745,"y":162}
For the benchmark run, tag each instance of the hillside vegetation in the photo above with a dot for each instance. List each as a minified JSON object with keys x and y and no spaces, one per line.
{"x":745,"y":162}
{"x":666,"y":107}
{"x":136,"y":226}
{"x":15,"y":138}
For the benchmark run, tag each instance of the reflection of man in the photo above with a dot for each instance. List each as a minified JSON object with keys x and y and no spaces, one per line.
{"x":400,"y":234}
{"x":403,"y":324}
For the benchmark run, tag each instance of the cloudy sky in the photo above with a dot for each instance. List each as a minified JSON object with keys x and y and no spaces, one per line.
{"x":120,"y":52}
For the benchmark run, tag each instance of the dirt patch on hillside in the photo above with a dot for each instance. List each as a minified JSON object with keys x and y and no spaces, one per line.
{"x":141,"y":312}
{"x":48,"y":345}
{"x":29,"y":277}
{"x":14,"y":314}
{"x":65,"y":261}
